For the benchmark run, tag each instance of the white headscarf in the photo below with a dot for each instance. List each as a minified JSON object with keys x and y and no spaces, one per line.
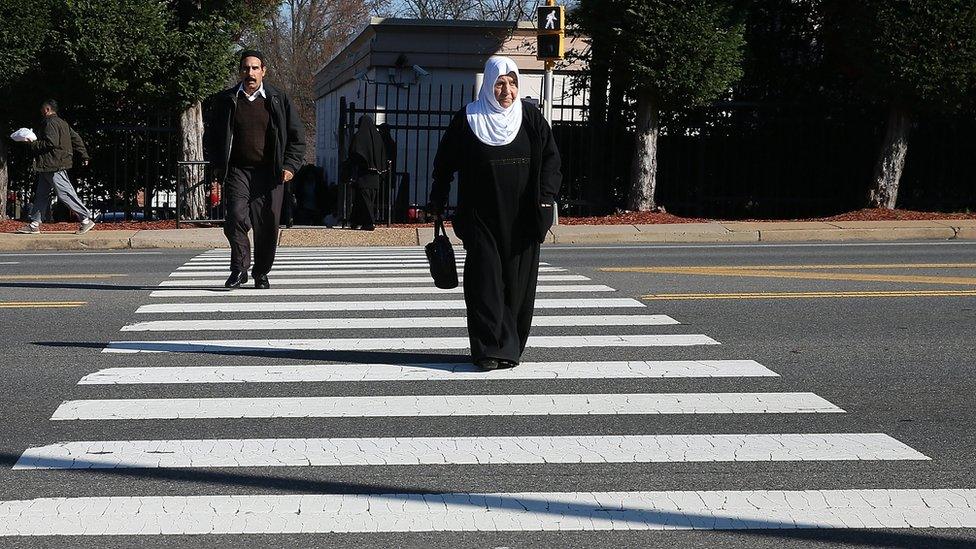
{"x":490,"y":122}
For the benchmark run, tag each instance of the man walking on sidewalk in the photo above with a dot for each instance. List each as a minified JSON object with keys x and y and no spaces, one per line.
{"x":53,"y":152}
{"x":255,"y":141}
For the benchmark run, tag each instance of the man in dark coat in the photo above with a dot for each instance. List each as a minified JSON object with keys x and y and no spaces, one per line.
{"x":53,"y":154}
{"x":255,"y":141}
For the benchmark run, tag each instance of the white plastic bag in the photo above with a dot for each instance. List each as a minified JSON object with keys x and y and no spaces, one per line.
{"x":23,"y":135}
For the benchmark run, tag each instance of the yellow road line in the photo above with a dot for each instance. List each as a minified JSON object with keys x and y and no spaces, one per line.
{"x":850,"y":277}
{"x":59,"y":277}
{"x":667,"y":269}
{"x":779,"y":272}
{"x":40,"y":304}
{"x":812,"y":295}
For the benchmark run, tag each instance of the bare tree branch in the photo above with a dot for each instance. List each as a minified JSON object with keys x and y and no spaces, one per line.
{"x":487,"y":10}
{"x":300,"y":37}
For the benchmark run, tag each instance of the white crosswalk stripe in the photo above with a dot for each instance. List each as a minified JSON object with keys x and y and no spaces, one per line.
{"x":490,"y":512}
{"x":416,"y":263}
{"x":323,"y":259}
{"x":575,"y":329}
{"x":446,"y":405}
{"x":411,"y":305}
{"x":323,"y":452}
{"x":403,"y":290}
{"x":401,"y":322}
{"x":330,"y":271}
{"x":426,"y":372}
{"x":396,"y":344}
{"x":217,"y":283}
{"x":320,"y":257}
{"x":365,"y":251}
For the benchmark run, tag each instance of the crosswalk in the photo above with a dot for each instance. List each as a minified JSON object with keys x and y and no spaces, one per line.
{"x":400,"y":329}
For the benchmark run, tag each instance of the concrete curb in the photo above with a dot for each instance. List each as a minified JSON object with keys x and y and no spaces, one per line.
{"x":717,"y":232}
{"x":93,"y":240}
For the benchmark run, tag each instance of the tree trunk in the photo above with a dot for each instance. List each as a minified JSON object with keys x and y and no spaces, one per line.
{"x":643,"y":169}
{"x":891,"y":161}
{"x":193,"y":180}
{"x":4,"y":180}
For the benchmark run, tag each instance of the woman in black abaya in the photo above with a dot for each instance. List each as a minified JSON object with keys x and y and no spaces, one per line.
{"x":367,"y":153}
{"x":508,"y":176}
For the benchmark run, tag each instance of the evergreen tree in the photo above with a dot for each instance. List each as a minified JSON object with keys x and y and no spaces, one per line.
{"x":669,"y":55}
{"x":910,"y":56}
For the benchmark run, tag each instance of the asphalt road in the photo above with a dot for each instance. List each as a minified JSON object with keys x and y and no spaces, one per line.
{"x":883,"y":332}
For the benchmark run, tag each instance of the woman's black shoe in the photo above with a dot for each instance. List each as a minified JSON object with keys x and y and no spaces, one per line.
{"x":236,"y":279}
{"x":487,"y":364}
{"x":261,"y":282}
{"x":507,"y":364}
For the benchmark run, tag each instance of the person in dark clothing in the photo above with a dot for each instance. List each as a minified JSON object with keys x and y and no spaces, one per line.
{"x":367,"y":155}
{"x":289,"y":205}
{"x":255,"y":141}
{"x":310,"y":195}
{"x":389,"y":145}
{"x":508,"y":177}
{"x":53,"y":154}
{"x":401,"y":200}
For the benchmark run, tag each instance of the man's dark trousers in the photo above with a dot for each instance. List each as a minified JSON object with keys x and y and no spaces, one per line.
{"x":253,"y":198}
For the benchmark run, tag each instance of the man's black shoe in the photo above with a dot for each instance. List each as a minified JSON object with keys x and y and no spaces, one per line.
{"x":261,"y":282}
{"x":236,"y":279}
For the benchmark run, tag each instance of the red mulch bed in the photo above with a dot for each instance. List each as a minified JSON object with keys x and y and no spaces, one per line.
{"x":10,"y":226}
{"x":624,"y":218}
{"x":879,"y":214}
{"x":867,"y":214}
{"x":630,"y":218}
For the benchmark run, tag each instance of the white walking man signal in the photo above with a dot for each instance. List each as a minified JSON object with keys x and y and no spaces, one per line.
{"x":551,"y":20}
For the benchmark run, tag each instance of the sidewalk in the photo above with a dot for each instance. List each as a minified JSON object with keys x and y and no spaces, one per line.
{"x":717,"y":232}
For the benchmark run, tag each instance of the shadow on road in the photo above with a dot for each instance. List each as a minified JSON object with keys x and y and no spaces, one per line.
{"x":652,"y":517}
{"x":353,"y":357}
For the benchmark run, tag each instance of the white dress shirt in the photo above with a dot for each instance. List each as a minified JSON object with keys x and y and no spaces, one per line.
{"x":252,"y":97}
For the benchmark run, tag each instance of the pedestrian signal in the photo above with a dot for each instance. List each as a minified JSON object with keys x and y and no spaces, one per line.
{"x":551,"y":18}
{"x":552,"y":26}
{"x":550,"y":47}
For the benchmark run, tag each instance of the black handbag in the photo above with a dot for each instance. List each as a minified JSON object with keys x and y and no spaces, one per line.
{"x":440,"y":255}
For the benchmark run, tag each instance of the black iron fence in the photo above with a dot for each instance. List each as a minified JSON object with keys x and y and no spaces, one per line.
{"x":417,"y":117}
{"x":725,"y":161}
{"x":787,"y":161}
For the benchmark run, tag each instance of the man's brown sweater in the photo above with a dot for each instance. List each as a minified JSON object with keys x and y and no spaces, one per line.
{"x":251,"y":120}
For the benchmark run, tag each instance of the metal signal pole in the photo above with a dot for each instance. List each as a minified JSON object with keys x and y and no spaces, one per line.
{"x":551,"y":29}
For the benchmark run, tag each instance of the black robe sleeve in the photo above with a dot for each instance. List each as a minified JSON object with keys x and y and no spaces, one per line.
{"x":551,"y":178}
{"x":550,"y":171}
{"x":447,"y":162}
